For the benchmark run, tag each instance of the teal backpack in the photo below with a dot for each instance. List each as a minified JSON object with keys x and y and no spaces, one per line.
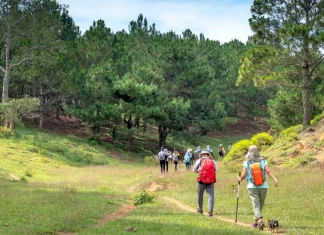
{"x":187,"y":157}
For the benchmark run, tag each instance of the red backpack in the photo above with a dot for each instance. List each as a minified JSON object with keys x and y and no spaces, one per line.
{"x":207,"y":174}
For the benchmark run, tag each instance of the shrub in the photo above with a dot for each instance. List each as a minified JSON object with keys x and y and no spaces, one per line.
{"x":5,"y":132}
{"x":29,"y":173}
{"x":238,"y":150}
{"x":143,"y":197}
{"x":94,"y":141}
{"x":150,"y":160}
{"x":290,"y":134}
{"x":14,"y":110}
{"x":234,"y":167}
{"x":317,"y":118}
{"x":262,"y":140}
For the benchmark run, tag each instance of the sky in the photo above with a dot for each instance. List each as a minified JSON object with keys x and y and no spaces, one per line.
{"x":221,"y":20}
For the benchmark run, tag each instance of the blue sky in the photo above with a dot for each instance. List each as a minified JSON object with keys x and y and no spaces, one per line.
{"x":220,"y":20}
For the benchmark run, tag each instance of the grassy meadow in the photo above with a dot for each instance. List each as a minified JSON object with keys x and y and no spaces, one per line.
{"x":52,"y":184}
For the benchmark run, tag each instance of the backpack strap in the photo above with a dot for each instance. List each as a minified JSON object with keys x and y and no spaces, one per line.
{"x":249,"y":162}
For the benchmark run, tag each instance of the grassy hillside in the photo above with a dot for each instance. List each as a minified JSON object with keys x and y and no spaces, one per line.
{"x":54,"y":184}
{"x":298,"y":146}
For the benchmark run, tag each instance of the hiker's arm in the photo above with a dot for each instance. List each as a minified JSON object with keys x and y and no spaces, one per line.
{"x":196,"y":167}
{"x":216,"y":167}
{"x":243,"y":174}
{"x":269,"y":172}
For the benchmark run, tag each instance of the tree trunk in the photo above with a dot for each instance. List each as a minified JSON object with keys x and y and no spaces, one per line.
{"x":5,"y":87}
{"x":305,"y":96}
{"x":57,"y":113}
{"x":41,"y":108}
{"x":163,"y":133}
{"x":306,"y":79}
{"x":96,"y":127}
{"x":113,"y":133}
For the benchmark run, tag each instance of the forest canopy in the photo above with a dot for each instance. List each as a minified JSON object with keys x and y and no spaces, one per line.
{"x":179,"y":83}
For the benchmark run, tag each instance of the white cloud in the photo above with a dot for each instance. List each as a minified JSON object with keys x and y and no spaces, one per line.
{"x":221,"y":20}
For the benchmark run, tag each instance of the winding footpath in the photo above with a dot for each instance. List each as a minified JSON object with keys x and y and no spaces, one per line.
{"x":125,"y":209}
{"x":191,"y":209}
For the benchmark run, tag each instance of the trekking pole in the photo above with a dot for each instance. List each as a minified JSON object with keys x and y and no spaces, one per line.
{"x":237,"y":197}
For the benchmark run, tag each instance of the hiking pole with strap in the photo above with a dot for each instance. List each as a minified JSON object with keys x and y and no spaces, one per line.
{"x":237,"y":197}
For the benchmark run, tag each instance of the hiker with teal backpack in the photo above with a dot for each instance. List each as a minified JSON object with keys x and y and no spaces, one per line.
{"x":187,"y":159}
{"x":254,"y":169}
{"x":206,"y":167}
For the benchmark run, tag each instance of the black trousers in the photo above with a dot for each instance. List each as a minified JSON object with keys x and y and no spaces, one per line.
{"x":162,"y":165}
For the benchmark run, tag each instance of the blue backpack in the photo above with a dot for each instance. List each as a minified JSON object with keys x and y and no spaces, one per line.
{"x":187,"y":157}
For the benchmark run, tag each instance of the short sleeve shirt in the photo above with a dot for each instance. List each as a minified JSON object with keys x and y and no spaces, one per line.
{"x":248,"y":175}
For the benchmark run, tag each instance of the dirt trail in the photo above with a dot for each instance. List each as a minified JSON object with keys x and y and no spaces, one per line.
{"x":121,"y":212}
{"x":190,"y":209}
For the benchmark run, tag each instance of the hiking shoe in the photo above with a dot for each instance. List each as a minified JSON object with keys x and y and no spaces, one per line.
{"x":254,"y":225}
{"x":199,"y":211}
{"x":210,"y":214}
{"x":261,"y":225}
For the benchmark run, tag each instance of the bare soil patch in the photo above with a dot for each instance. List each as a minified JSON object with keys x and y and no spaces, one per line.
{"x":154,"y":187}
{"x":121,"y":212}
{"x":243,"y":127}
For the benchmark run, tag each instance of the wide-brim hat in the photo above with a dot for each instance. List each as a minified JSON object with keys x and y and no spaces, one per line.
{"x":205,"y":152}
{"x":253,"y":153}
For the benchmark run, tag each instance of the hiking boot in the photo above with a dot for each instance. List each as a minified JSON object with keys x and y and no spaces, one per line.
{"x":261,"y":225}
{"x":199,"y":211}
{"x":254,"y":225}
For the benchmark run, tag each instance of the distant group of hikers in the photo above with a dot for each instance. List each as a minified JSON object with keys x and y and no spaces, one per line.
{"x":165,"y":156}
{"x":254,"y":169}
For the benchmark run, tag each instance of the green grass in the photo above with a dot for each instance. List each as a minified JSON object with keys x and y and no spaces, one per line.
{"x":296,"y":203}
{"x":65,"y":194}
{"x":162,"y":217}
{"x":29,"y":209}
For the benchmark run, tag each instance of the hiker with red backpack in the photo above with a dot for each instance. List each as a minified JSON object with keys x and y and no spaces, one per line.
{"x":254,"y":169}
{"x":206,"y":167}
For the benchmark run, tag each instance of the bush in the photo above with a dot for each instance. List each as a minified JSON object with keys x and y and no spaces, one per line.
{"x":29,"y":173}
{"x":150,"y":160}
{"x":238,"y":150}
{"x":290,"y":134}
{"x":5,"y":132}
{"x":234,"y":167}
{"x":317,"y":118}
{"x":14,"y":110}
{"x":262,"y":140}
{"x":94,"y":141}
{"x":143,"y":197}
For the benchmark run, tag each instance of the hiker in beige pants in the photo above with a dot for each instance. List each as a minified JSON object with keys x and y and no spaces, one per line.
{"x":257,"y":193}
